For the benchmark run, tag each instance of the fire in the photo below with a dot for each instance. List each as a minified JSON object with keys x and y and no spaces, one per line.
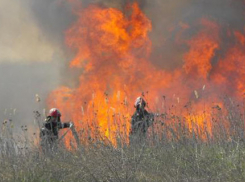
{"x":202,"y":50}
{"x":111,"y":50}
{"x":113,"y":53}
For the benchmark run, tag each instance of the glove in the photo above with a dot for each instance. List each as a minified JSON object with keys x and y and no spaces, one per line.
{"x":71,"y":124}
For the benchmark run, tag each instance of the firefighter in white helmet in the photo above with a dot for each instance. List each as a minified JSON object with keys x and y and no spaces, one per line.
{"x":141,"y":119}
{"x":140,"y":104}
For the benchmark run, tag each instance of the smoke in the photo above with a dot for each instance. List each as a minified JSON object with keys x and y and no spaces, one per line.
{"x":29,"y":63}
{"x":53,"y":17}
{"x":19,"y":84}
{"x":20,"y":38}
{"x":174,"y":22}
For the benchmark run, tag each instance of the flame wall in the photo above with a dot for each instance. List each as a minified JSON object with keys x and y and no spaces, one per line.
{"x":125,"y":49}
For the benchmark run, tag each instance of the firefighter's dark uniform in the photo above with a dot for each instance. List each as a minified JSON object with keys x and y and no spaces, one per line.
{"x":50,"y":131}
{"x":141,"y":121}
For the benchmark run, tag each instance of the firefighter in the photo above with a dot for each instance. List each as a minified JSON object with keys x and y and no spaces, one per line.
{"x":141,"y":120}
{"x":50,"y":130}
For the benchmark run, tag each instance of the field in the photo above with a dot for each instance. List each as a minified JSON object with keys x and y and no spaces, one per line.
{"x":172,"y":162}
{"x":179,"y":154}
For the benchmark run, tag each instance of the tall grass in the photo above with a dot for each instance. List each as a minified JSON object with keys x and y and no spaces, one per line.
{"x":171,"y":152}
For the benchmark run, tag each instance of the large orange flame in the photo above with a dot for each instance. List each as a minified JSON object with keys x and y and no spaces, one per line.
{"x":113,"y":51}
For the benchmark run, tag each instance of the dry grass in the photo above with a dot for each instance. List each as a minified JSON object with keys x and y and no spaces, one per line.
{"x":174,"y":154}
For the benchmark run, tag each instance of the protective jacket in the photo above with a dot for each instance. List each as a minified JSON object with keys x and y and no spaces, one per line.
{"x":141,"y":120}
{"x":50,"y":130}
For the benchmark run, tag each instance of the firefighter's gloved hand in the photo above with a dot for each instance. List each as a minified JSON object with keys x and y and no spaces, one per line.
{"x":48,"y":118}
{"x":71,"y":124}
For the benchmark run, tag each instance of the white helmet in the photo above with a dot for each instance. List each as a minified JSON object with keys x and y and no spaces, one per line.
{"x":140,"y":101}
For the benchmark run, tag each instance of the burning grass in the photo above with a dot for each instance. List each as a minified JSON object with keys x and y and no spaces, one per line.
{"x":112,"y":51}
{"x":174,"y":152}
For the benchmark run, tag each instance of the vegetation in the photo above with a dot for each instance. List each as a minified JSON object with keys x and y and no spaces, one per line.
{"x":178,"y":155}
